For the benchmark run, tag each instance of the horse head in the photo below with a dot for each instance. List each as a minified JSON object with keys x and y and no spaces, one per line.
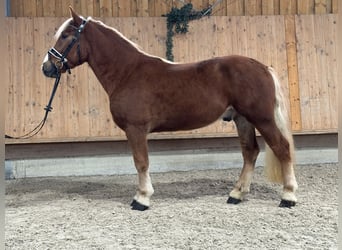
{"x":67,"y":52}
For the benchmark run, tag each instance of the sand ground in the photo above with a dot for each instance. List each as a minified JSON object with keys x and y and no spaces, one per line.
{"x":188,"y":211}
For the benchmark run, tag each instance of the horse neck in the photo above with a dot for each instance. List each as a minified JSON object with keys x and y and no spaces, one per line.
{"x":111,"y":57}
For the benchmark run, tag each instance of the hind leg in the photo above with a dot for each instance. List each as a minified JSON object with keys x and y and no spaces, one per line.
{"x":282,"y":149}
{"x":250,"y":151}
{"x":288,"y":198}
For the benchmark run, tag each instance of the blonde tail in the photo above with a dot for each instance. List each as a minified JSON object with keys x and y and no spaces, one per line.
{"x":273,"y":170}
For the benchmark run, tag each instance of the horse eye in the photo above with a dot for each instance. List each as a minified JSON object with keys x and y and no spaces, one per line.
{"x":63,"y":36}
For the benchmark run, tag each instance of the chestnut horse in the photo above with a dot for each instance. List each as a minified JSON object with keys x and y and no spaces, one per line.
{"x":149,"y":94}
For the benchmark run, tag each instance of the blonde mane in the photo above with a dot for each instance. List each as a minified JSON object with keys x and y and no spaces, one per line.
{"x":136,"y":46}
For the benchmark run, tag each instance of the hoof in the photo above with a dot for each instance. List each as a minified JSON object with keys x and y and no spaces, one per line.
{"x":232,"y":200}
{"x":138,"y":206}
{"x":286,"y":203}
{"x":227,"y":118}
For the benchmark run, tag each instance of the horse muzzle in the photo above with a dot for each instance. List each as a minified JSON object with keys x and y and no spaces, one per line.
{"x":50,"y":70}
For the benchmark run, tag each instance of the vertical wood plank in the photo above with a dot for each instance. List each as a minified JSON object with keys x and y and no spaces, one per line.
{"x":17,"y":8}
{"x":292,"y":67}
{"x":329,"y":7}
{"x":151,"y":8}
{"x":89,"y":6}
{"x":253,"y":7}
{"x":142,"y":8}
{"x":39,"y":84}
{"x":63,"y":6}
{"x":162,"y":7}
{"x":80,"y":102}
{"x":39,"y":8}
{"x":306,"y":6}
{"x":133,"y":8}
{"x":306,"y":69}
{"x":29,"y":8}
{"x":124,"y":8}
{"x":106,"y":8}
{"x":326,"y":39}
{"x":115,"y":8}
{"x":96,"y":8}
{"x":268,"y":7}
{"x":4,"y":72}
{"x":288,"y":7}
{"x":320,"y":6}
{"x":316,"y":67}
{"x":19,"y":80}
{"x":49,"y":8}
{"x":218,"y":10}
{"x":235,"y":8}
{"x":277,"y":7}
{"x":334,"y":6}
{"x":13,"y":8}
{"x":332,"y":79}
{"x":160,"y":36}
{"x":29,"y":73}
{"x":197,"y":4}
{"x":10,"y":126}
{"x":321,"y":88}
{"x":58,"y":9}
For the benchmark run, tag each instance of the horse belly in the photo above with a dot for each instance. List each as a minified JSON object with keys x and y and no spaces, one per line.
{"x":189,"y":117}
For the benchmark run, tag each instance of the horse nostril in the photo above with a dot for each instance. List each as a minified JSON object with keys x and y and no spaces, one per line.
{"x":46,"y":66}
{"x":49,"y":69}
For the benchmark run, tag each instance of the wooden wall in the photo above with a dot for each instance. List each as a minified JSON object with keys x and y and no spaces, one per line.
{"x":156,"y":8}
{"x":301,"y":48}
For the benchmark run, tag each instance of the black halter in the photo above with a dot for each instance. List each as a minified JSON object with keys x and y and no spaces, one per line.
{"x":62,"y":61}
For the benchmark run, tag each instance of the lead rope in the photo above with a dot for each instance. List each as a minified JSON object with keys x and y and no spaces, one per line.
{"x":61,"y":57}
{"x":47,"y":109}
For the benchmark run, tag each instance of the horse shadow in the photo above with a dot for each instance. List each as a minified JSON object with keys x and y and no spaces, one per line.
{"x":47,"y":189}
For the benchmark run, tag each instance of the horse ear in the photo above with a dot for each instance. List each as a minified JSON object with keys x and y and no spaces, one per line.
{"x":75,"y":17}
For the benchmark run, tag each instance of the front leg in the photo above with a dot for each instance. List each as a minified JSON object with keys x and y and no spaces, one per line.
{"x":137,"y":139}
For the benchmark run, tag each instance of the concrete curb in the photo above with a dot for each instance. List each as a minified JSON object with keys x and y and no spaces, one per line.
{"x":123,"y":164}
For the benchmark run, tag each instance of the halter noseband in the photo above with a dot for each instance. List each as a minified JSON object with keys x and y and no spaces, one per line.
{"x":62,"y":61}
